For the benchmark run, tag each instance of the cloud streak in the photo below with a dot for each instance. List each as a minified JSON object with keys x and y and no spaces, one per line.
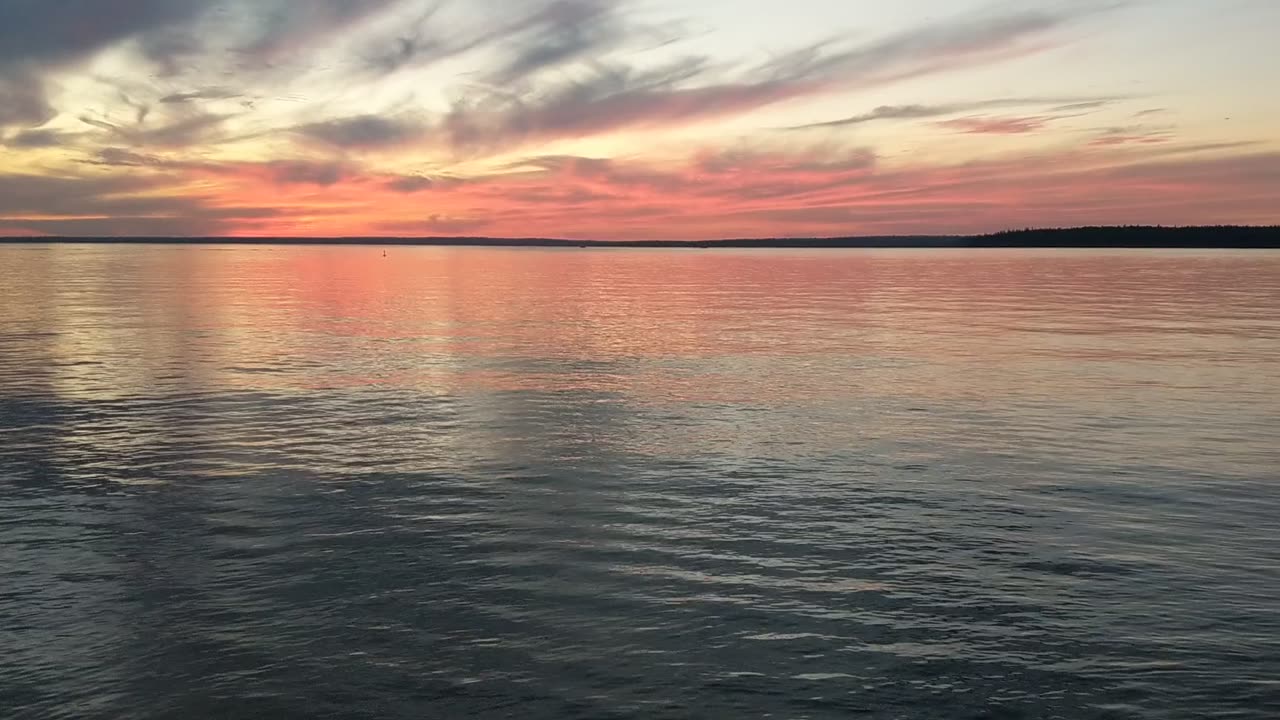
{"x":924,"y":111}
{"x":996,"y":125}
{"x":1131,"y":135}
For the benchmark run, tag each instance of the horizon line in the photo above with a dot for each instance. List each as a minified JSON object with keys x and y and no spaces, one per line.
{"x":1099,"y":236}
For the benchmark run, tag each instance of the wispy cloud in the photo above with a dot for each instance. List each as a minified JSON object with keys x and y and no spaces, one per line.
{"x":619,"y":97}
{"x":1080,"y":107}
{"x":187,"y":131}
{"x":932,"y":48}
{"x":919,"y":111}
{"x":212,"y":93}
{"x":996,"y":125}
{"x":553,"y":72}
{"x":1131,"y":135}
{"x":560,"y":32}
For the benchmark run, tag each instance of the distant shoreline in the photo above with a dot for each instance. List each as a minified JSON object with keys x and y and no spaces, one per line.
{"x":1136,"y":237}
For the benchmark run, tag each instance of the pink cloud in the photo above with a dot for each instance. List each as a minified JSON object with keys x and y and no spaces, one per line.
{"x":17,"y":232}
{"x":763,"y":193}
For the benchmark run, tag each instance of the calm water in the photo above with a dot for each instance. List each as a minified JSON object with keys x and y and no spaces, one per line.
{"x":321,"y":483}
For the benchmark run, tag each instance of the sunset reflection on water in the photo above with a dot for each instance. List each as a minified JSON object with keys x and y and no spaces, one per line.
{"x":234,"y":475}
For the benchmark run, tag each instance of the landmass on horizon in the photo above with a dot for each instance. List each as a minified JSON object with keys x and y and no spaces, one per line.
{"x":1195,"y":237}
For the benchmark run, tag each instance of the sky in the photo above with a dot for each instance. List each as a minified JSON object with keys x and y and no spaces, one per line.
{"x":633,"y":119}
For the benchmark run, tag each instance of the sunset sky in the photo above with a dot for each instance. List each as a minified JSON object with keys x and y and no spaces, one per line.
{"x":618,"y":119}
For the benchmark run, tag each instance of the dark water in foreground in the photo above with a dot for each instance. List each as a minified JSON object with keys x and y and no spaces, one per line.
{"x":317,"y":483}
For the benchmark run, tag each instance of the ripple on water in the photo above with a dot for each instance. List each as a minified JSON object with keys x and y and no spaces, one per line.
{"x":668,"y":485}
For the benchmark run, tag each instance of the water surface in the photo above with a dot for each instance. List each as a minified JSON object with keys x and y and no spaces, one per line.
{"x":316,"y":482}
